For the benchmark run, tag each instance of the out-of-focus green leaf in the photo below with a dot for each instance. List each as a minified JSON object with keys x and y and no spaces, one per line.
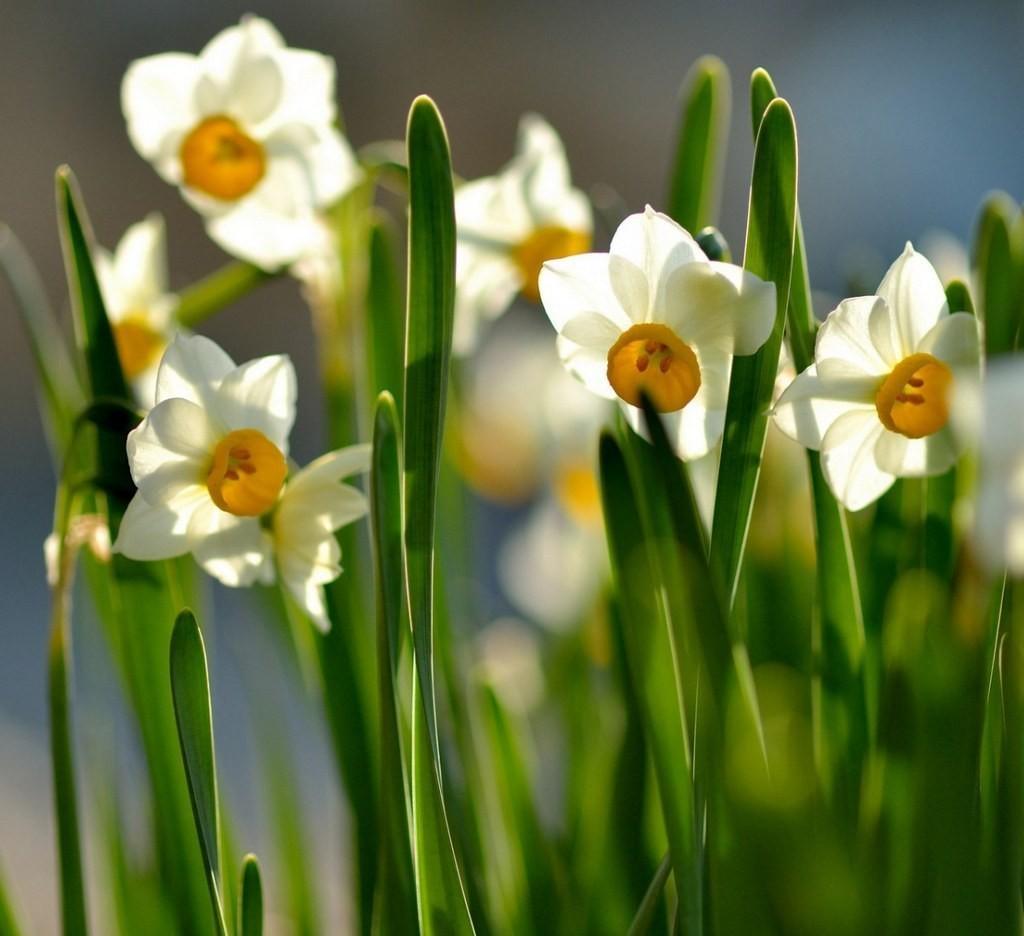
{"x":532,"y":894}
{"x":205,"y":298}
{"x":385,"y":323}
{"x":998,"y":260}
{"x":190,"y":689}
{"x":61,"y":391}
{"x":648,"y":909}
{"x":958,"y":295}
{"x":395,"y":903}
{"x":69,"y":850}
{"x":8,"y":922}
{"x":428,"y":336}
{"x":653,"y":655}
{"x":700,"y":151}
{"x":250,"y":902}
{"x":771,"y":226}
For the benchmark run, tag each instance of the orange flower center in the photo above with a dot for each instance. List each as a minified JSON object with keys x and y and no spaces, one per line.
{"x":220,"y":160}
{"x":914,"y":399}
{"x":578,"y":493}
{"x":138,"y":346}
{"x":653,"y":359}
{"x":247,"y":473}
{"x":547,"y":243}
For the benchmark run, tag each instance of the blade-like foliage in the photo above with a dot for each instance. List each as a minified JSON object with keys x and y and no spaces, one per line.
{"x":428,"y":338}
{"x":700,"y":150}
{"x":250,"y":900}
{"x":998,"y":260}
{"x":190,"y":689}
{"x":647,"y":912}
{"x":395,"y":905}
{"x":769,"y":254}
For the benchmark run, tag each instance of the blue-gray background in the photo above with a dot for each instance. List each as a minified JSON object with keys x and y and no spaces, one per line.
{"x":907,"y":115}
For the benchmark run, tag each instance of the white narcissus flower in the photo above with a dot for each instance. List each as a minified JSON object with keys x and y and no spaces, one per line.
{"x":509,"y":224}
{"x":656,"y":316}
{"x":210,"y":463}
{"x":247,"y":130}
{"x":990,"y":416}
{"x":133,"y":281}
{"x":876,"y":400}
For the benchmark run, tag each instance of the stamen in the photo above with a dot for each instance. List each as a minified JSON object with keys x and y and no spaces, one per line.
{"x":642,"y":362}
{"x":246,"y":474}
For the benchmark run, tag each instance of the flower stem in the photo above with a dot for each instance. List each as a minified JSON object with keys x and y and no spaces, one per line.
{"x":212,"y":293}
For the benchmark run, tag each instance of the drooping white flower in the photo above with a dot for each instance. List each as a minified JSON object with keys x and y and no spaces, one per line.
{"x":133,"y":281}
{"x":210,"y":463}
{"x":510,"y":223}
{"x":247,"y":130}
{"x":876,"y":400}
{"x":990,"y":416}
{"x":656,"y":316}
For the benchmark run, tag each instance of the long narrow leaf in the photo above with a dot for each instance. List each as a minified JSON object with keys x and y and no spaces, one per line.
{"x":700,"y":150}
{"x":431,"y":295}
{"x":997,"y":262}
{"x":769,"y":254}
{"x":250,"y":901}
{"x":190,"y":689}
{"x":395,"y":905}
{"x":648,"y":909}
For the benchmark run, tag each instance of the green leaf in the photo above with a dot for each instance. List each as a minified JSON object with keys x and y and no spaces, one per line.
{"x":60,"y":389}
{"x":533,"y":896}
{"x":190,"y":689}
{"x":395,"y":902}
{"x":771,"y":226}
{"x":69,"y":850}
{"x":217,"y":291}
{"x":653,"y":654}
{"x":700,"y":152}
{"x":385,"y":326}
{"x":648,"y":910}
{"x":839,"y":624}
{"x":250,"y":901}
{"x":431,"y":296}
{"x":8,"y":922}
{"x":998,"y":260}
{"x":958,"y":295}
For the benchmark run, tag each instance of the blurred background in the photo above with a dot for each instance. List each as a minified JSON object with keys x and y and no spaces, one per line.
{"x":907,"y":114}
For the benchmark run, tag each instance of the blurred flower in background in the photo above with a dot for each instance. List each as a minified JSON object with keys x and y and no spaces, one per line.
{"x":528,"y":435}
{"x":133,"y":280}
{"x":510,"y":224}
{"x":989,"y":414}
{"x":876,"y":400}
{"x":247,"y":130}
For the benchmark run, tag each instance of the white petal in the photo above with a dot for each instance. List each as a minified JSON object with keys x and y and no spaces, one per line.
{"x":169,"y":450}
{"x":588,"y":365}
{"x":586,"y":283}
{"x":490,"y":213}
{"x":308,"y":94}
{"x":547,"y":192}
{"x":916,"y":458}
{"x":913,"y":291}
{"x":260,"y":394}
{"x":719,"y":303}
{"x":236,"y":551}
{"x":846,"y":335}
{"x":233,"y":47}
{"x":152,"y":532}
{"x":157,"y":95}
{"x":276,"y":223}
{"x":811,"y":404}
{"x":848,"y":459}
{"x":334,"y":466}
{"x":591,"y":330}
{"x":953,"y":340}
{"x":140,"y":262}
{"x":325,"y":507}
{"x":657,"y":246}
{"x":486,"y":284}
{"x":191,"y":368}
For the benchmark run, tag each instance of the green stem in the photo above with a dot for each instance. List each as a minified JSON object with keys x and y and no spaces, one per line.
{"x":212,"y":293}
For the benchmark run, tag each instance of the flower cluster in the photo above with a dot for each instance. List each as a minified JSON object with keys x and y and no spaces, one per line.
{"x":210,"y":461}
